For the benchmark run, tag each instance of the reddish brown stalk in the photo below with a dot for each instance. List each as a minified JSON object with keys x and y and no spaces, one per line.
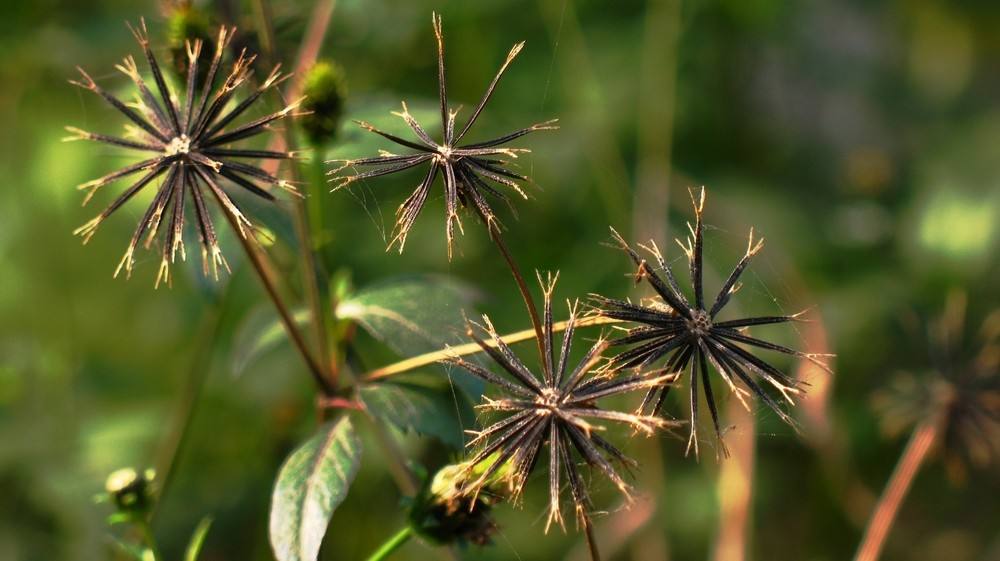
{"x":522,"y":286}
{"x":263,"y":270}
{"x":735,"y":485}
{"x":884,"y":515}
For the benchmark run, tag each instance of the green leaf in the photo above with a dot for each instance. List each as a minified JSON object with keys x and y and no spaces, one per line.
{"x":311,"y":484}
{"x":260,"y":333}
{"x":415,"y":315}
{"x":197,"y":539}
{"x":425,"y":404}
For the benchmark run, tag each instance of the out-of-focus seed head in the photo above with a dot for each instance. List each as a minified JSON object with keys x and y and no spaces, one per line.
{"x":960,"y":390}
{"x":325,"y":90}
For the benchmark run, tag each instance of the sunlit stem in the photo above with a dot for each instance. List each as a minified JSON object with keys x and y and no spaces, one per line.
{"x":415,"y":362}
{"x":884,"y":515}
{"x":393,"y":543}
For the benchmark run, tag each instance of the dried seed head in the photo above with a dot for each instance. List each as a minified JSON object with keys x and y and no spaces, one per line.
{"x":684,"y":336}
{"x":558,"y":409}
{"x":471,"y":172}
{"x":186,"y":141}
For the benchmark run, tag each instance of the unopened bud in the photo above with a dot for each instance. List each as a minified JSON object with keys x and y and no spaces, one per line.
{"x":326,"y":92}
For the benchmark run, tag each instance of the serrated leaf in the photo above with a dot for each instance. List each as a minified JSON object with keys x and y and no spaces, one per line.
{"x":424,"y":404}
{"x":260,"y":333}
{"x":415,"y":315}
{"x":311,"y":484}
{"x":197,"y":540}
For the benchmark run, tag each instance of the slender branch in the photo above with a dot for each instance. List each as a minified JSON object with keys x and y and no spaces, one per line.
{"x":588,"y":528}
{"x":394,"y":543}
{"x":522,"y":286}
{"x":147,"y":536}
{"x":895,"y":491}
{"x":173,"y":445}
{"x":472,"y":348}
{"x":263,"y":269}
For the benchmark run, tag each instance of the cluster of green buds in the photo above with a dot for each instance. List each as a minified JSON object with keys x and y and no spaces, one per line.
{"x":325,"y":90}
{"x":132,"y":493}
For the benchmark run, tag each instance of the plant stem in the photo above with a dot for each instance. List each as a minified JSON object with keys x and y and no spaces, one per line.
{"x":588,"y":528}
{"x":472,"y":348}
{"x":208,"y":333}
{"x":394,"y":543}
{"x":314,"y":296}
{"x":497,"y":237}
{"x":895,"y":491}
{"x":263,"y":269}
{"x":148,"y":538}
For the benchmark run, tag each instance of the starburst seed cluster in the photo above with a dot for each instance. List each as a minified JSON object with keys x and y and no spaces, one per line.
{"x":193,"y":158}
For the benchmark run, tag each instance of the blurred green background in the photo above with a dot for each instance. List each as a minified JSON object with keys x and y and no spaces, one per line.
{"x":862,"y":139}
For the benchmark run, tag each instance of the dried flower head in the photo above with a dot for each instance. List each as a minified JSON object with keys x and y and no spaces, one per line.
{"x":187,"y":140}
{"x":470,"y":171}
{"x":961,"y":390}
{"x":554,"y":409}
{"x":687,"y":335}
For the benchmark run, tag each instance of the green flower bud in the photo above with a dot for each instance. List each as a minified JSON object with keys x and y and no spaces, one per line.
{"x":325,"y":91}
{"x":448,"y":511}
{"x":131,"y":492}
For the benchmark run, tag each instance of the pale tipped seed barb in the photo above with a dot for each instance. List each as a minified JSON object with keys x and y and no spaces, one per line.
{"x":470,"y":172}
{"x":557,"y":409}
{"x":190,"y":135}
{"x":684,"y":336}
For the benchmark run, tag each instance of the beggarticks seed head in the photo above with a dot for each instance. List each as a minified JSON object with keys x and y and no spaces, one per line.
{"x":684,"y":335}
{"x":556,"y":409}
{"x":960,"y":390}
{"x":471,"y":172}
{"x":187,"y":141}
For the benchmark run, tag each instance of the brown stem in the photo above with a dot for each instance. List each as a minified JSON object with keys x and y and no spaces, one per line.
{"x":472,"y":348}
{"x":895,"y":491}
{"x":588,"y":528}
{"x":522,"y":286}
{"x":263,"y":270}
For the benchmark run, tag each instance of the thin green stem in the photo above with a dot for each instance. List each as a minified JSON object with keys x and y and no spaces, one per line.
{"x":149,"y":539}
{"x":208,"y":333}
{"x":393,"y":543}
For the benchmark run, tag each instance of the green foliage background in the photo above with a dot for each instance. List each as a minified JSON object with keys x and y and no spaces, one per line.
{"x":861,"y":139}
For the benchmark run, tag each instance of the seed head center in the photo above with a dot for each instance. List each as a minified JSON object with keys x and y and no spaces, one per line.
{"x":700,"y":323}
{"x":179,"y":145}
{"x":549,"y":399}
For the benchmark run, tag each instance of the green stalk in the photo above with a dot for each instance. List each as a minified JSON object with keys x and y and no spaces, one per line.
{"x":147,"y":536}
{"x":394,"y":543}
